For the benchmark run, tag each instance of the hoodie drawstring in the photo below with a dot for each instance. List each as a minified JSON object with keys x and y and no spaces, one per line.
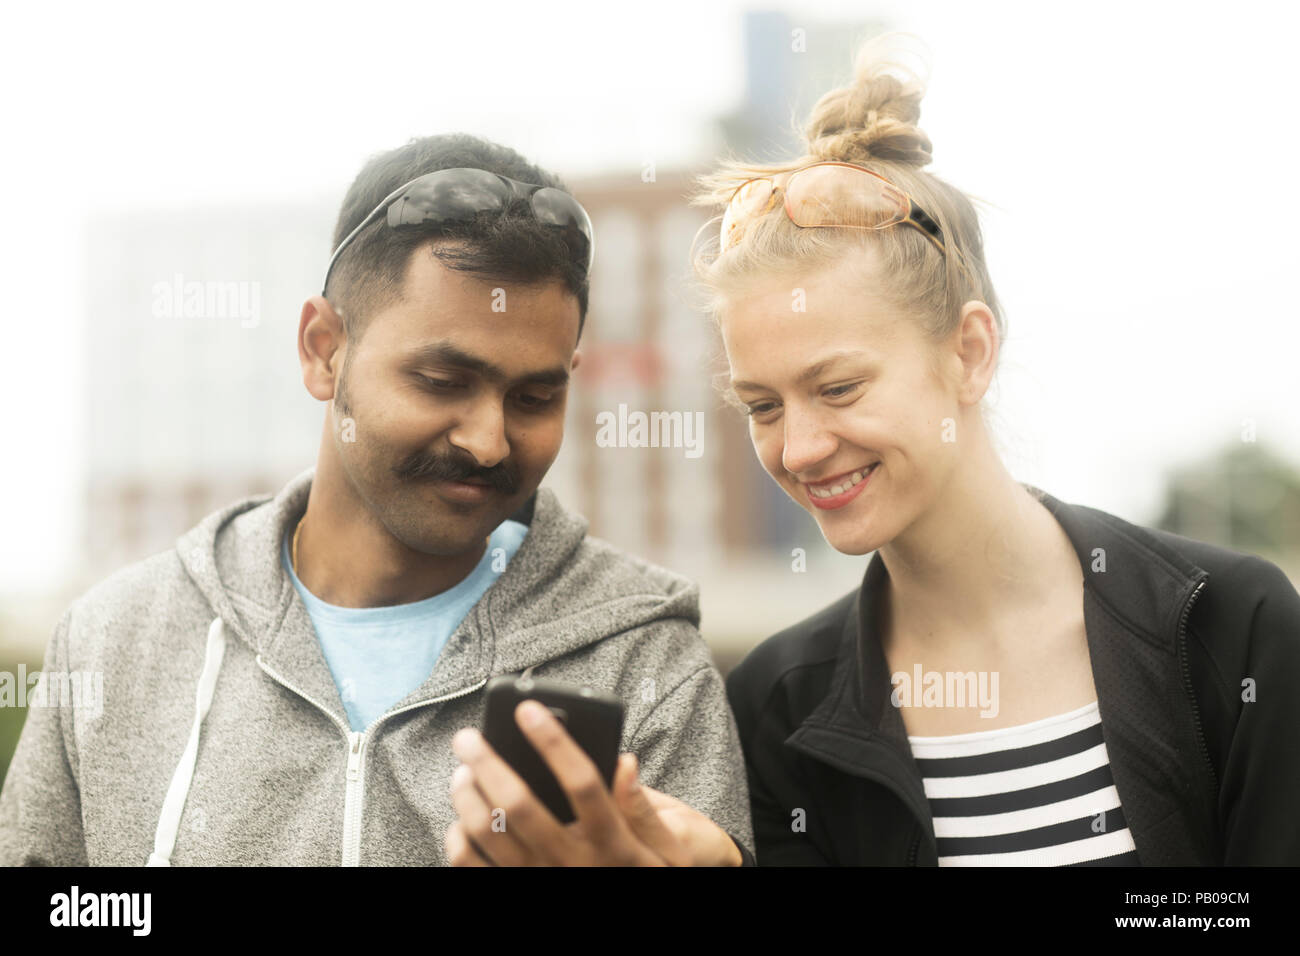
{"x":169,"y":820}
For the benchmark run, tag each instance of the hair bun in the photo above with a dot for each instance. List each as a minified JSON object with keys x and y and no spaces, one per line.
{"x":875,"y":116}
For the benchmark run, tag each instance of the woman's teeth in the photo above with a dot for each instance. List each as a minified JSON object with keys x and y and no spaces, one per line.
{"x":843,"y":486}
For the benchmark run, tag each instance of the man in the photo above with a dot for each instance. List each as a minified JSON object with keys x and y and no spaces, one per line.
{"x":285,"y":685}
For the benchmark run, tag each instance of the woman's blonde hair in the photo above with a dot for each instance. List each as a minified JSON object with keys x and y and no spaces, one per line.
{"x":872,"y":123}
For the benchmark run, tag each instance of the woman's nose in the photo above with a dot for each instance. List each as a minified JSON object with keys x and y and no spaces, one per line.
{"x":807,"y":442}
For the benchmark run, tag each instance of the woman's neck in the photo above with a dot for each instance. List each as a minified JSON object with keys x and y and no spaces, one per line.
{"x":986,"y":551}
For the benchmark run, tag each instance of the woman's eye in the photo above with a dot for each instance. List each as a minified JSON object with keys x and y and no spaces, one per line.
{"x":840,"y":391}
{"x":837,"y":391}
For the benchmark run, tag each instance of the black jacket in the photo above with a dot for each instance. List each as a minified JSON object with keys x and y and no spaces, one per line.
{"x":1174,"y":626}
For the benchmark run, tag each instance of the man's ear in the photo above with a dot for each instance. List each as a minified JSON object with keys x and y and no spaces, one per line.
{"x":322,"y":343}
{"x":577,"y":357}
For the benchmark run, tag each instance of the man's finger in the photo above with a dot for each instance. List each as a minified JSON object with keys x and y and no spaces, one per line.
{"x":662,"y":801}
{"x":482,"y":823}
{"x":531,"y":825}
{"x":642,"y":816}
{"x":592,"y":803}
{"x":461,"y":850}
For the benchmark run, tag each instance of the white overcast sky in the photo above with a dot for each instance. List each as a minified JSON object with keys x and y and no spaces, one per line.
{"x":1143,"y":156}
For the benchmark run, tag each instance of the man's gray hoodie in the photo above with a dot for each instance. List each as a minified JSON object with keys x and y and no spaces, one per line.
{"x":222,"y":738}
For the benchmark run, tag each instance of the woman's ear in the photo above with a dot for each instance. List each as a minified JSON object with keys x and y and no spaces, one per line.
{"x":979,"y":344}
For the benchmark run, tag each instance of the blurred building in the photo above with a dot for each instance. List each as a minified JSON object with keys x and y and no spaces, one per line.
{"x":193,"y":390}
{"x":647,"y":348}
{"x":790,"y":62}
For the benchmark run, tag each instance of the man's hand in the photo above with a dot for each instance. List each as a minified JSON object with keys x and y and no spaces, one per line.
{"x":708,"y":843}
{"x":501,"y":822}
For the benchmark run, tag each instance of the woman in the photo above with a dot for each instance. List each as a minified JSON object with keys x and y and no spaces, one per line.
{"x":1017,"y":680}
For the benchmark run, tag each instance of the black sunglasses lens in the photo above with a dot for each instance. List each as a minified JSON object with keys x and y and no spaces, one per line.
{"x":460,"y":196}
{"x":560,"y":209}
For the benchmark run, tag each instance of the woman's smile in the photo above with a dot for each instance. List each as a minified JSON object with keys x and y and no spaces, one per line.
{"x":838,"y":491}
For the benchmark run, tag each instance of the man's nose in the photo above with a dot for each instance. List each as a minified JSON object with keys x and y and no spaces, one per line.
{"x":481,"y":431}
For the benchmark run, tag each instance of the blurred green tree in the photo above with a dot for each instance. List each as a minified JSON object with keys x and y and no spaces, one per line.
{"x":1243,"y":496}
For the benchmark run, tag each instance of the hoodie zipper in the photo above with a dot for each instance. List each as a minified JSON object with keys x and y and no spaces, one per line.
{"x":352,"y":795}
{"x":1187,"y":685}
{"x":356,"y":786}
{"x":354,"y":789}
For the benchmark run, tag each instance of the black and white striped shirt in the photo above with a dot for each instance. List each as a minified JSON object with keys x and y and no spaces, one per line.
{"x":1038,"y":794}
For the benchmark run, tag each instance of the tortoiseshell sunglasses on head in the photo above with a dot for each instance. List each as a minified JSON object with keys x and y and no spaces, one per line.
{"x":827,"y":194}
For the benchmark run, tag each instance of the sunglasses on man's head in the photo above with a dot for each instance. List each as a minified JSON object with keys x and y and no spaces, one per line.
{"x":459,"y":194}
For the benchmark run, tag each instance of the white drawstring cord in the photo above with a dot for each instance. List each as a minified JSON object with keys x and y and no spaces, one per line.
{"x":169,"y":820}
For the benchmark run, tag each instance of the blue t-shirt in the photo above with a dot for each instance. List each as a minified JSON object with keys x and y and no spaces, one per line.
{"x":378,"y":655}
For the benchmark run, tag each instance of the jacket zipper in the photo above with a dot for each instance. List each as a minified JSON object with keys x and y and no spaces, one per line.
{"x":354,"y":789}
{"x":886,"y":780}
{"x":920,"y":826}
{"x":1187,"y":686}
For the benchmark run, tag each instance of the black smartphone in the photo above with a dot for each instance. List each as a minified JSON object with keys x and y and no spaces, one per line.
{"x":594,"y":720}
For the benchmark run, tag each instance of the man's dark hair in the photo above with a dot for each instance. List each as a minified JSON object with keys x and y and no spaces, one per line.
{"x":510,"y":246}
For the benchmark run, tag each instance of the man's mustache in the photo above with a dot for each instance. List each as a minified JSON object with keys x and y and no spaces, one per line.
{"x":443,"y":468}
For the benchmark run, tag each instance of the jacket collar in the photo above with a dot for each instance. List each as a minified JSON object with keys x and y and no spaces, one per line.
{"x":1126,"y":571}
{"x":1135,"y":592}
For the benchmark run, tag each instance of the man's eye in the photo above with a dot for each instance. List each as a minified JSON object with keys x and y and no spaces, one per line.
{"x":536,"y":401}
{"x":441,"y":383}
{"x":762,"y":408}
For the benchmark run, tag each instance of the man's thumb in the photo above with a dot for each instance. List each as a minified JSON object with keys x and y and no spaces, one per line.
{"x":631,"y":795}
{"x":641,"y":814}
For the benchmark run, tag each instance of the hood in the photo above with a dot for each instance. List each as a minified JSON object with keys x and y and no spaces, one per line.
{"x":561,"y":591}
